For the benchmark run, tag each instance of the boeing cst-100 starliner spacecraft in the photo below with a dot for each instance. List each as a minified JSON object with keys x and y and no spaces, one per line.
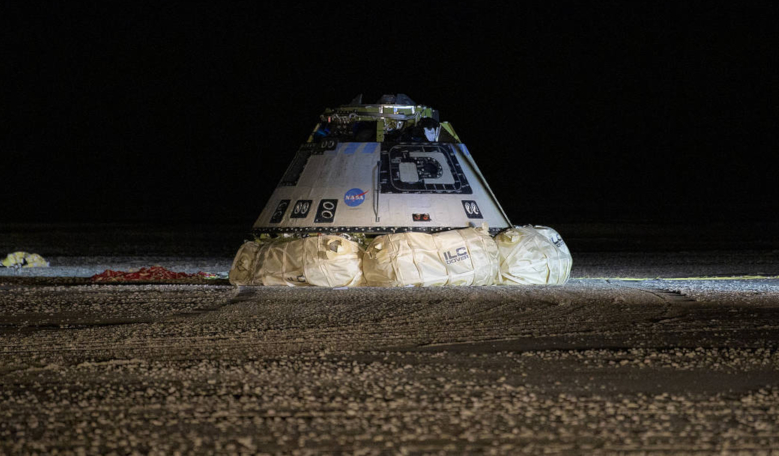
{"x":385,"y":194}
{"x":379,"y":168}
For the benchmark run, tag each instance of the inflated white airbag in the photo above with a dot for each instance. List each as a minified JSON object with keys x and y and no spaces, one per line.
{"x":533,"y":256}
{"x":242,"y":270}
{"x":457,"y":257}
{"x":326,"y":261}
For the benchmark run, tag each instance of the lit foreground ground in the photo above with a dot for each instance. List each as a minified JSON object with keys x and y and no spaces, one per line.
{"x":596,"y":366}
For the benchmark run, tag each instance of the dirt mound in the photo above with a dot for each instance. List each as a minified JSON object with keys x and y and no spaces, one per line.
{"x":152,"y":274}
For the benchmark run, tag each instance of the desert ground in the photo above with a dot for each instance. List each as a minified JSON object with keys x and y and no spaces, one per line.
{"x":664,"y":341}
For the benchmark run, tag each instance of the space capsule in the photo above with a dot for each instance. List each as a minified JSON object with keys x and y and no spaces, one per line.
{"x":385,"y":194}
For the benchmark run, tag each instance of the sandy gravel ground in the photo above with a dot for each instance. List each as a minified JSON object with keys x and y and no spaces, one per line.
{"x":596,"y":366}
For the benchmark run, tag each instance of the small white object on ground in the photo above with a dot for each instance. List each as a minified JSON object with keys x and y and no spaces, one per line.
{"x":24,"y":260}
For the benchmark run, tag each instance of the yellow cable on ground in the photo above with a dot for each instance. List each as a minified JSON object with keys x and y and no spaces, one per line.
{"x":643,"y":279}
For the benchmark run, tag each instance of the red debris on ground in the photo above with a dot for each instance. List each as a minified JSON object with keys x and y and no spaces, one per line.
{"x":152,"y":274}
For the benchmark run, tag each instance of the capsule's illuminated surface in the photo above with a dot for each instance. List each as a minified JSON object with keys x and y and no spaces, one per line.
{"x":381,"y":168}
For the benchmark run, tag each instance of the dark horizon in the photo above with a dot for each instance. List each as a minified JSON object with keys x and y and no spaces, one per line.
{"x":192,"y":111}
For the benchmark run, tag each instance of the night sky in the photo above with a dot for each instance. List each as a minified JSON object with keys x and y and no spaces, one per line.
{"x":190,"y":112}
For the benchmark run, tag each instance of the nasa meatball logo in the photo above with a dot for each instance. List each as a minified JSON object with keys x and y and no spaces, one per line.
{"x":354,"y":197}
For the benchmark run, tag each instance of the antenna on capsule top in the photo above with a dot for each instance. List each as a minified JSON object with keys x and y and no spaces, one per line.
{"x":357,"y":100}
